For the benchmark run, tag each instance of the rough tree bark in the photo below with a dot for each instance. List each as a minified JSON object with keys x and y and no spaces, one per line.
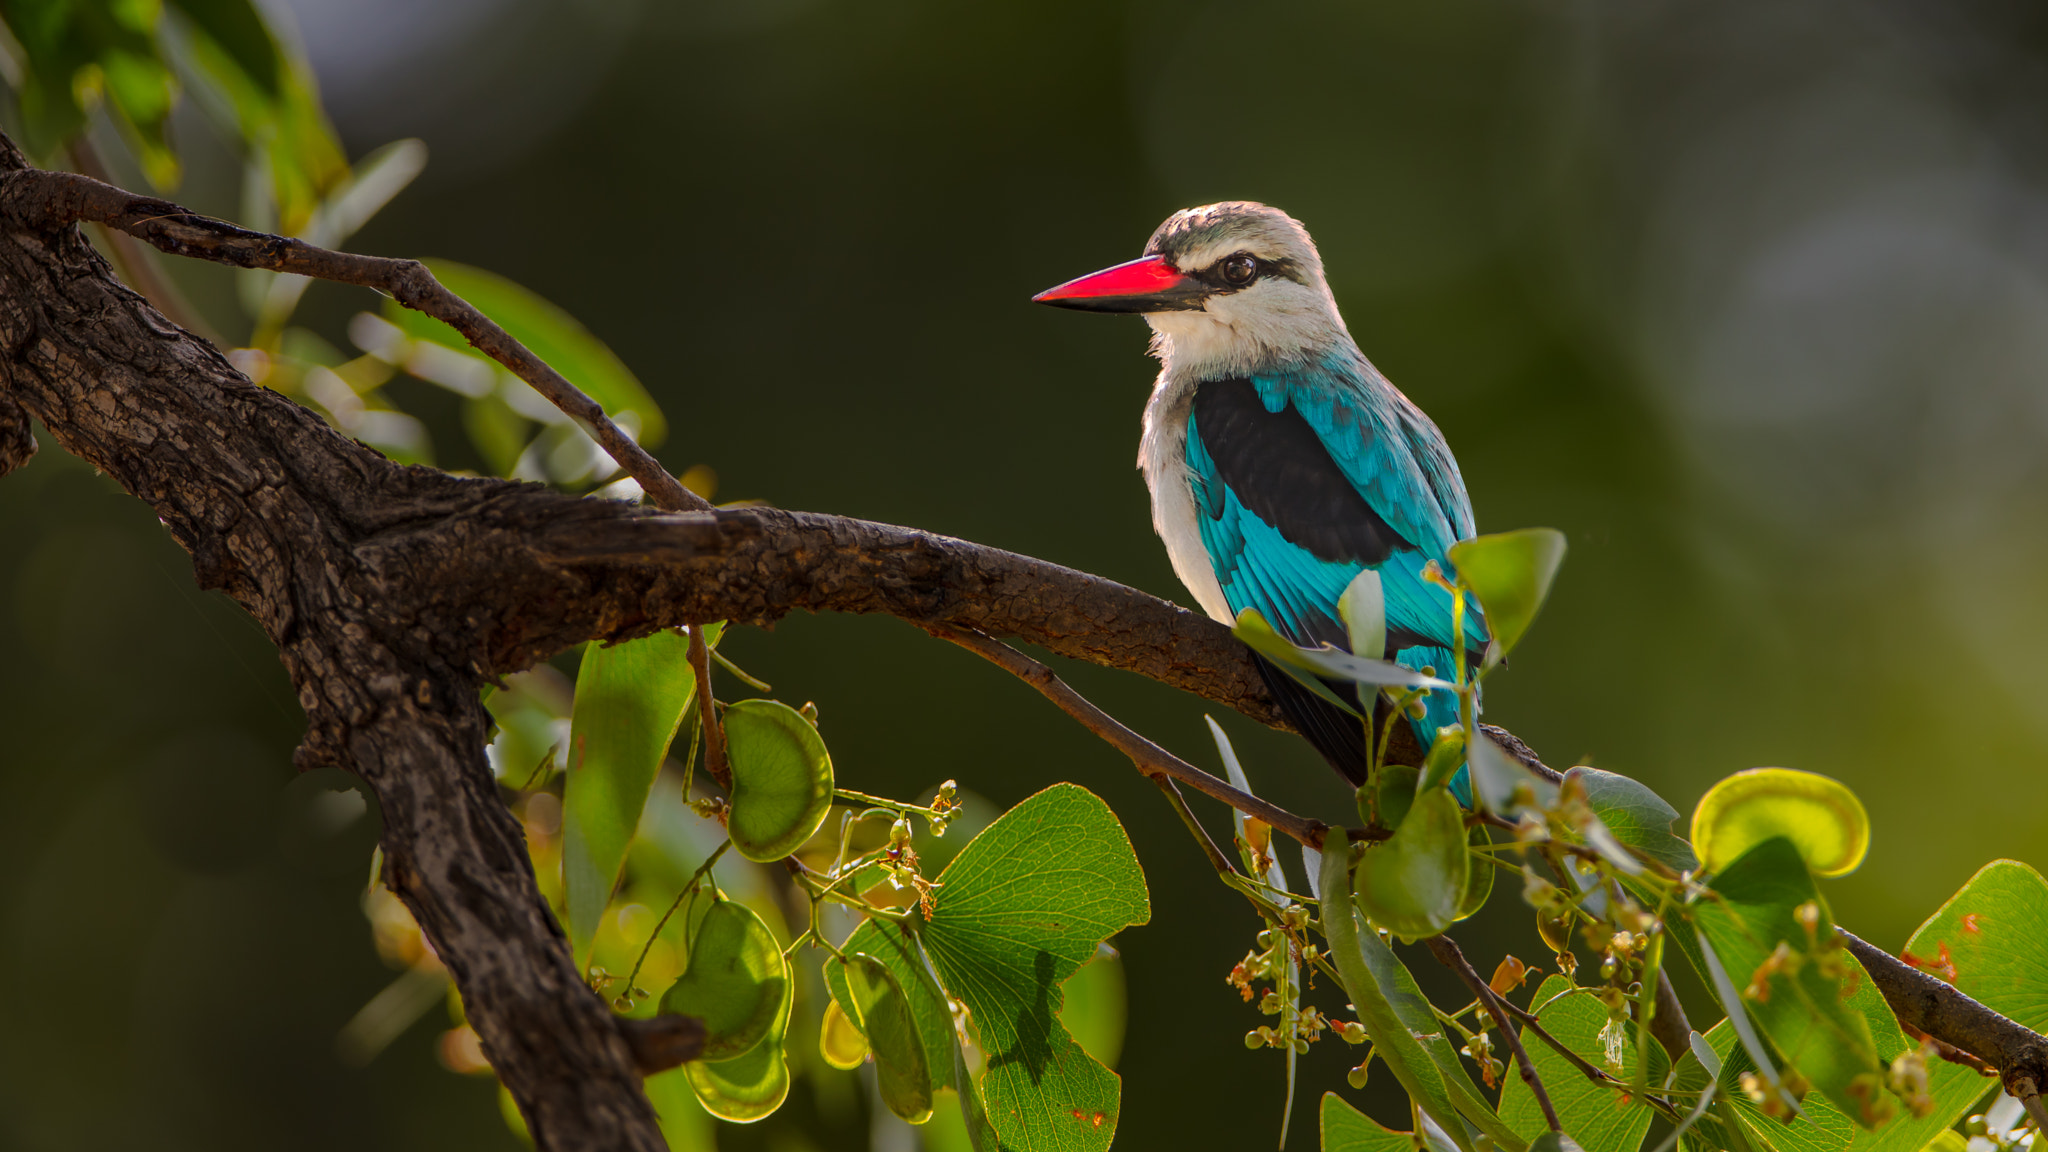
{"x":394,"y":593}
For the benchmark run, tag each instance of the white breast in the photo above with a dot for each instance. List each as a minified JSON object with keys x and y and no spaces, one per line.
{"x":1162,"y":456}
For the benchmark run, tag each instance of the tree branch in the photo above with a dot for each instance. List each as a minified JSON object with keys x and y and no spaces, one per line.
{"x":1945,"y":1012}
{"x":394,"y":593}
{"x":1145,"y":756}
{"x":1450,"y":956}
{"x":49,"y":200}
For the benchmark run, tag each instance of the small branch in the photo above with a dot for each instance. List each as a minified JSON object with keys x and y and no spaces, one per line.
{"x":659,"y":1043}
{"x":1217,"y":859}
{"x":1447,"y":954}
{"x":707,"y":712}
{"x":1146,"y":756}
{"x":60,"y":198}
{"x":1927,"y":1004}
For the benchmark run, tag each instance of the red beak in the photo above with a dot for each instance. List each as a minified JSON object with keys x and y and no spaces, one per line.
{"x":1147,"y":284}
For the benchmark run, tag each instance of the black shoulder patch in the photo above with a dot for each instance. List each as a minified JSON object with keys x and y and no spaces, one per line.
{"x":1280,"y":470}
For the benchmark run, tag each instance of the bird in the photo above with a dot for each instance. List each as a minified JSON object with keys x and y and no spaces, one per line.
{"x":1282,"y":464}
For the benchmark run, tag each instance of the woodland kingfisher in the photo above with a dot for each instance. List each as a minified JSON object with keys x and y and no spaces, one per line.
{"x":1281,"y":463}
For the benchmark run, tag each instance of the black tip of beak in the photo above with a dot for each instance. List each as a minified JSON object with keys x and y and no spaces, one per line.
{"x":1112,"y":304}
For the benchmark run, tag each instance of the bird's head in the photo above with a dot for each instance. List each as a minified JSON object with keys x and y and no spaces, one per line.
{"x":1235,"y":285}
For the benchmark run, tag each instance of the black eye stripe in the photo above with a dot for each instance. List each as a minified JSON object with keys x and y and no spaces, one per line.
{"x":1216,"y":276}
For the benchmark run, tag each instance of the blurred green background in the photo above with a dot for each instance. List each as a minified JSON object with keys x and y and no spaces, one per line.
{"x":1750,"y":299}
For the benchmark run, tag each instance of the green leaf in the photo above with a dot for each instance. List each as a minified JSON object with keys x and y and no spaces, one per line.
{"x":736,"y":981}
{"x":895,"y":949}
{"x":882,"y":1012}
{"x":1635,"y":815}
{"x":1307,"y":664}
{"x":1346,"y":1129}
{"x":1413,"y":884}
{"x":1018,"y":910}
{"x":747,"y":1088}
{"x":1510,"y":573}
{"x":1952,"y":1089}
{"x":1991,"y":941}
{"x":684,"y":1123}
{"x":839,"y":1039}
{"x":1403,"y":1028}
{"x":1820,"y":815}
{"x":1791,"y":970}
{"x":238,"y":28}
{"x":781,"y":779}
{"x":1480,"y":885}
{"x":1096,"y":1006}
{"x":630,"y":698}
{"x":1554,"y":1142}
{"x":1363,"y":607}
{"x":1501,"y":783}
{"x":552,"y":334}
{"x":1593,"y":1113}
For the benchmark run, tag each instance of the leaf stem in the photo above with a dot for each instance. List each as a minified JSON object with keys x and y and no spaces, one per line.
{"x":678,"y":903}
{"x":707,"y":715}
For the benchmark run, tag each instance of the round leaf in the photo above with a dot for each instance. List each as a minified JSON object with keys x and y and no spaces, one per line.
{"x":901,"y":1071}
{"x":736,"y":982}
{"x":840,"y":1041}
{"x":1413,"y":884}
{"x":750,"y":1087}
{"x":1510,"y":572}
{"x":781,"y":779}
{"x":1819,"y":814}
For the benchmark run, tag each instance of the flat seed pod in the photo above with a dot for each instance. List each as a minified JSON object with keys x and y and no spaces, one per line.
{"x":901,"y":1070}
{"x":1479,"y":883}
{"x":1413,"y":884}
{"x":781,"y":779}
{"x":1819,"y":814}
{"x":736,"y":981}
{"x":840,"y":1041}
{"x":750,"y":1087}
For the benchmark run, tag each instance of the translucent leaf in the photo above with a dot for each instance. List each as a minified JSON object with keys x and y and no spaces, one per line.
{"x":894,"y":948}
{"x":1413,"y":884}
{"x":1819,"y":814}
{"x":839,"y":1039}
{"x":1363,"y":607}
{"x":1403,"y":1028}
{"x":552,"y":334}
{"x":630,"y":698}
{"x":1018,"y":911}
{"x":1592,"y":1112}
{"x":1636,"y":816}
{"x":1772,"y":934}
{"x":1097,"y":1006}
{"x":1479,"y":886}
{"x":781,"y":779}
{"x":882,"y":1012}
{"x":1326,"y":661}
{"x":1510,"y":573}
{"x":750,"y":1087}
{"x":1501,"y":783}
{"x":735,"y":983}
{"x":1346,"y":1129}
{"x":1991,"y":941}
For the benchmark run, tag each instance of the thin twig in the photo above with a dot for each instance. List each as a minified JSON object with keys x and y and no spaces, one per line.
{"x":66,"y":197}
{"x":1217,"y":859}
{"x":1447,"y":954}
{"x":1146,"y":756}
{"x":707,"y":714}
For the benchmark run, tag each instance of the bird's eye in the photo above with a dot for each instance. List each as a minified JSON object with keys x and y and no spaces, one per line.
{"x":1239,"y":270}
